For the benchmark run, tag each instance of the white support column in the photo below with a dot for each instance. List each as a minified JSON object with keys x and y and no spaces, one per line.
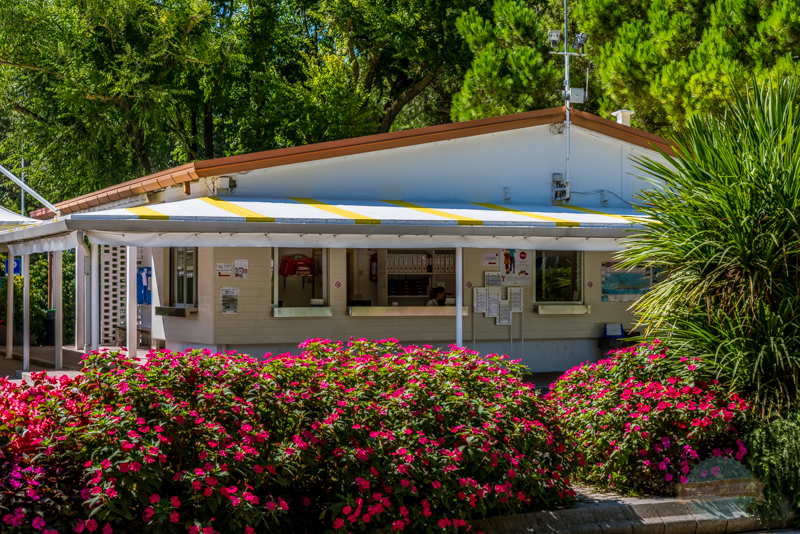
{"x":58,"y":305}
{"x":79,"y":300}
{"x":95,"y":292}
{"x":26,"y":307}
{"x":10,"y":309}
{"x":459,"y":296}
{"x":275,"y":277}
{"x":87,"y":302}
{"x":132,"y":335}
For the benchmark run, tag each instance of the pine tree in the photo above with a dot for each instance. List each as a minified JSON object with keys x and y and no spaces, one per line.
{"x":512,"y":70}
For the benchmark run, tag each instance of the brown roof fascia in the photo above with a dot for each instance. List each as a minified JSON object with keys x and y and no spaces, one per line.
{"x":145,"y":184}
{"x":373,"y":143}
{"x":620,"y":131}
{"x":357,"y":145}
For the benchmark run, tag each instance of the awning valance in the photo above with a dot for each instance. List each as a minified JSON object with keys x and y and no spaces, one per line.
{"x":380,"y":212}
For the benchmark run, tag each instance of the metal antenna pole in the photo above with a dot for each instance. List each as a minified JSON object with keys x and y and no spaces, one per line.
{"x":22,"y":176}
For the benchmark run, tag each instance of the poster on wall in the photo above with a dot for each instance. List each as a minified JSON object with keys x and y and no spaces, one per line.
{"x":623,"y":285}
{"x":230,"y":299}
{"x":240,"y":268}
{"x":224,"y":269}
{"x":516,"y":267}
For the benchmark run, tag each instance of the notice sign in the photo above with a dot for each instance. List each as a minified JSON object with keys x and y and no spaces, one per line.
{"x":224,"y":270}
{"x":491,"y":259}
{"x":230,"y":299}
{"x":240,"y":268}
{"x":516,"y":267}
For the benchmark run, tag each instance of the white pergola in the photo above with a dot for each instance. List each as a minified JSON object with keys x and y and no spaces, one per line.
{"x":282,"y":222}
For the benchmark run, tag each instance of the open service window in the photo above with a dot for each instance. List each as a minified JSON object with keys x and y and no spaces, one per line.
{"x":559,"y":276}
{"x":395,"y":282}
{"x":299,"y":282}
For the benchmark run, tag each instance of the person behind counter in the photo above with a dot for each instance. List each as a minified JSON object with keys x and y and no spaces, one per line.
{"x":437,"y":297}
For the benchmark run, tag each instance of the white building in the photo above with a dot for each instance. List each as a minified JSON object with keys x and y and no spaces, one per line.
{"x":376,"y":223}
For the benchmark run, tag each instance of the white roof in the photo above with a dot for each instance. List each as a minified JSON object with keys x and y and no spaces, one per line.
{"x":9,"y":219}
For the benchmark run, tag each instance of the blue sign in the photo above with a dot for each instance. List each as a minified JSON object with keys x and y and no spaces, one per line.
{"x":17,"y":265}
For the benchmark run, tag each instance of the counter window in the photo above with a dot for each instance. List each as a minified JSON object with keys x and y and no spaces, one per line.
{"x":300,"y":278}
{"x":184,"y":286}
{"x":400,"y":277}
{"x":558,"y":276}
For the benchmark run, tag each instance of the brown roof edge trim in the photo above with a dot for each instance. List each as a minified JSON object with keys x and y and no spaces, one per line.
{"x":291,"y":156}
{"x":620,"y":131}
{"x":375,"y":142}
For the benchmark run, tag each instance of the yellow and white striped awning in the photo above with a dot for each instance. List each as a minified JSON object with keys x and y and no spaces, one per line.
{"x":379,"y":212}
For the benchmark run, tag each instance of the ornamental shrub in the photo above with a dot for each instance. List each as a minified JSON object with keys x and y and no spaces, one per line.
{"x":774,"y":458}
{"x":640,"y":427}
{"x":357,"y":437}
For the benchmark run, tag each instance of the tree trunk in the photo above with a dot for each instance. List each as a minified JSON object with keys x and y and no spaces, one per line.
{"x":208,"y":131}
{"x":193,"y":143}
{"x":391,"y":112}
{"x":138,"y":146}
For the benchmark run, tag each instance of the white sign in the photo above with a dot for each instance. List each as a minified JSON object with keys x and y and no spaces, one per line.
{"x":516,"y":267}
{"x":492,"y":300}
{"x":504,"y":313}
{"x":240,"y":268}
{"x":224,"y":269}
{"x":491,"y":259}
{"x":230,"y":299}
{"x":479,"y":299}
{"x":515,"y":298}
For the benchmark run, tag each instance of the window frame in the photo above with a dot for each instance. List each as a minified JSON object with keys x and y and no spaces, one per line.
{"x":581,"y":263}
{"x":173,"y":264}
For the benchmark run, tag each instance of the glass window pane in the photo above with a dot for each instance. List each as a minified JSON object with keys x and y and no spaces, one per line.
{"x":180,"y":264}
{"x":558,"y":276}
{"x":191,"y":253}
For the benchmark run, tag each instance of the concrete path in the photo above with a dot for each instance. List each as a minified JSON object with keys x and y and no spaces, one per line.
{"x":608,"y":513}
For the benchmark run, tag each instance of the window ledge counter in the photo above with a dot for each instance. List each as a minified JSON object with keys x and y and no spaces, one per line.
{"x":563,"y":309}
{"x":320,"y":311}
{"x":405,"y":311}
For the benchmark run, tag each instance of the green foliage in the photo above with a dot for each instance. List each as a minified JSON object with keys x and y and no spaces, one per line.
{"x":643,"y":420}
{"x":670,"y":60}
{"x":774,"y":459}
{"x":724,"y":223}
{"x":512,"y":70}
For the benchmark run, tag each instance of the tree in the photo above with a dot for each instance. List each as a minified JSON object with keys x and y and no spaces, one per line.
{"x":398,"y":49}
{"x":96,"y":91}
{"x":725,"y":222}
{"x":668,"y":60}
{"x":512,"y":70}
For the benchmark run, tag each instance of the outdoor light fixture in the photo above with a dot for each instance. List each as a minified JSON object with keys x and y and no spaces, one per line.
{"x":580,"y":40}
{"x":554,"y":36}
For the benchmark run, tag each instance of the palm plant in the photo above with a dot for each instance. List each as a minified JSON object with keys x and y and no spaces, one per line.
{"x":724,"y":215}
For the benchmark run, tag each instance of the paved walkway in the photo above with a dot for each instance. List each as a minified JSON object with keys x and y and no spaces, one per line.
{"x":608,"y":513}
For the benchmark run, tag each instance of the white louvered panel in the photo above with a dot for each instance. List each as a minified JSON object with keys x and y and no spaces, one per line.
{"x":112,"y":283}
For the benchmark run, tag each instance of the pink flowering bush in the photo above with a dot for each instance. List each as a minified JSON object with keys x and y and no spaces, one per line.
{"x":642,"y":421}
{"x":339,"y":438}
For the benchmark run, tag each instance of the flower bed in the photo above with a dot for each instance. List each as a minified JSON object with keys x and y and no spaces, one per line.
{"x":369,"y":435}
{"x":642,"y":426}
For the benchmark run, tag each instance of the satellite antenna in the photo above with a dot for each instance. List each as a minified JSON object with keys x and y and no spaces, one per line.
{"x":570,"y":95}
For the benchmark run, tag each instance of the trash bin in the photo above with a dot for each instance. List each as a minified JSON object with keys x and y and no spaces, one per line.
{"x":50,"y":328}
